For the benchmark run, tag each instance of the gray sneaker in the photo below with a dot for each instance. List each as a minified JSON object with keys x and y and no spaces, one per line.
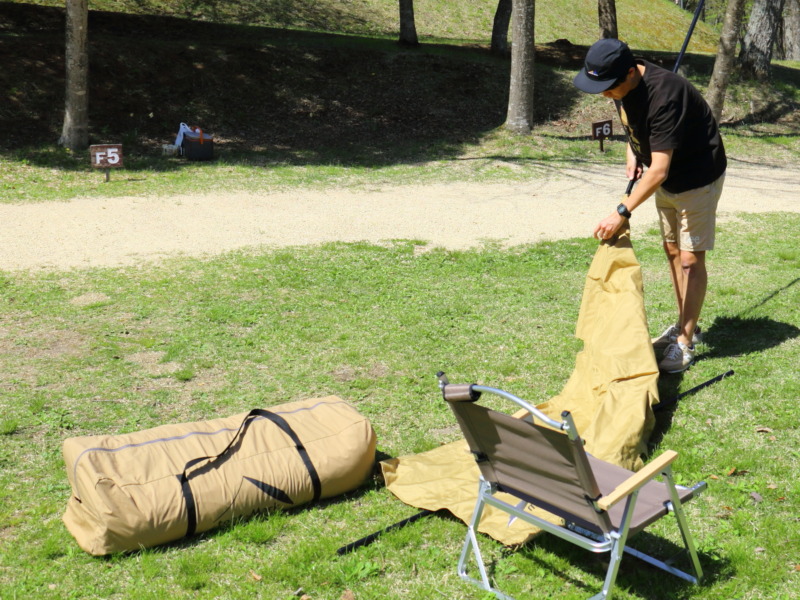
{"x":670,"y":336}
{"x":677,"y":358}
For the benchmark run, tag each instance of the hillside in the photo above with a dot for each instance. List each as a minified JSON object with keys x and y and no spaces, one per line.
{"x":663,"y":28}
{"x":291,"y":95}
{"x":261,"y":88}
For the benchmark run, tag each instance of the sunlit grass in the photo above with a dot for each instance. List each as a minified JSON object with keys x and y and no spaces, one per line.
{"x":117,"y":350}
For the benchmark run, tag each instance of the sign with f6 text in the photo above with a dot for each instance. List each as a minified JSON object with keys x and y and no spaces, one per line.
{"x":601,"y":130}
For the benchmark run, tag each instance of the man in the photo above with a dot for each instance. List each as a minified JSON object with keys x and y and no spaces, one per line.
{"x":672,"y":132}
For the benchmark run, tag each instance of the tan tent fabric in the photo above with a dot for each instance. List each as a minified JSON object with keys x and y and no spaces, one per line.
{"x":610,"y":394}
{"x":155,"y":486}
{"x":615,"y":381}
{"x":447,"y":478}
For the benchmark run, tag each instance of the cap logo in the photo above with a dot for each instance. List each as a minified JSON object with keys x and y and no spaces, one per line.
{"x":595,"y":73}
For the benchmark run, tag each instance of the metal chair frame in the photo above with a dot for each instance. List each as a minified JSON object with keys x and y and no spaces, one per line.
{"x":613,"y":540}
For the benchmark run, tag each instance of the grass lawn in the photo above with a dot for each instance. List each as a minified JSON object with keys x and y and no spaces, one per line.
{"x":119,"y":350}
{"x":107,"y":351}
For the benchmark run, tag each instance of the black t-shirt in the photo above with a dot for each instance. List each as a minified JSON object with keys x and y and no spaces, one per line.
{"x":665,"y":112}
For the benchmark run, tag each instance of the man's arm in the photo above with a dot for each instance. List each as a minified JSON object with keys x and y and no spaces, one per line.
{"x":653,"y":177}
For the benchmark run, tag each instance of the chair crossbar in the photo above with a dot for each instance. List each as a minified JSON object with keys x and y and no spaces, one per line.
{"x":596,"y":544}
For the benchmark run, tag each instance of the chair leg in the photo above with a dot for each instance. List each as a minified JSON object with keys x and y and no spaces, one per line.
{"x":688,"y":540}
{"x":617,"y":549}
{"x":471,"y":548}
{"x":683,"y":525}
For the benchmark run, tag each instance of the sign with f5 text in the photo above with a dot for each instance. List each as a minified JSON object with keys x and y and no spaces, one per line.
{"x":106,"y":156}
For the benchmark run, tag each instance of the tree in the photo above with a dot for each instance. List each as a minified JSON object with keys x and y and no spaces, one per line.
{"x":726,"y":53}
{"x":520,"y":97}
{"x":75,"y":131}
{"x":408,"y":28}
{"x":502,"y":19}
{"x":607,"y":12}
{"x":762,"y":31}
{"x":791,"y":30}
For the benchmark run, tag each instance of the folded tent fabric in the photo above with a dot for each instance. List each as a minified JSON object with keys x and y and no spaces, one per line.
{"x":610,"y":394}
{"x":150,"y":487}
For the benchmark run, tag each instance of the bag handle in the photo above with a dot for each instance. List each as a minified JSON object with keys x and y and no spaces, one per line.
{"x":183,"y":478}
{"x":182,"y":129}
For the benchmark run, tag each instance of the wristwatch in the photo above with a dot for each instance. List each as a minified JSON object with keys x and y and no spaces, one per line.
{"x":623,"y":210}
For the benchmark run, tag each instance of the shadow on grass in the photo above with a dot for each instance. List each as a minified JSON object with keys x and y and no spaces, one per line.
{"x":771,"y":295}
{"x":734,"y":336}
{"x":266,"y":94}
{"x":634,"y":575}
{"x":738,"y":336}
{"x":728,"y":337}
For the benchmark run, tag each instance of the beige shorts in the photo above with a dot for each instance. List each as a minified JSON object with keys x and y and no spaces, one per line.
{"x":689,"y":218}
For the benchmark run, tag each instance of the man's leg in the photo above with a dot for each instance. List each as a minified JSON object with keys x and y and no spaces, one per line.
{"x":695,"y":283}
{"x":687,"y":225}
{"x":690,"y":281}
{"x":676,"y":273}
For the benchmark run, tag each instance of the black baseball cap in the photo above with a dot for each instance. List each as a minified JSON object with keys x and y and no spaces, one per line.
{"x":607,"y":62}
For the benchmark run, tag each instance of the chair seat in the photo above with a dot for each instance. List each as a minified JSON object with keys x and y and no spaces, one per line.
{"x":651,"y":504}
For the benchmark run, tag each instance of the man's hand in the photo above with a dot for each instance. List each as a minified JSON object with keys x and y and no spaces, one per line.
{"x":655,"y":175}
{"x":633,"y":168}
{"x":609,"y":226}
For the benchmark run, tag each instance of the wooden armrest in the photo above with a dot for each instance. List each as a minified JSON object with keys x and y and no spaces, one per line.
{"x":637,"y":480}
{"x":521,"y":414}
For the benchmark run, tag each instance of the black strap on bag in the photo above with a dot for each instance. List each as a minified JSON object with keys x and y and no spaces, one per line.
{"x":183,"y":478}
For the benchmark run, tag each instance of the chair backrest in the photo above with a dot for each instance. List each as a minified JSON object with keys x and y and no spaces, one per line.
{"x":535,"y":463}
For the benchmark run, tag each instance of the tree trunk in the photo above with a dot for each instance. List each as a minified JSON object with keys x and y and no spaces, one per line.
{"x":607,"y":11}
{"x":762,"y":31}
{"x":520,"y":97}
{"x":408,"y":28}
{"x":791,"y":30}
{"x":502,"y":19}
{"x":75,"y":131}
{"x":726,"y":54}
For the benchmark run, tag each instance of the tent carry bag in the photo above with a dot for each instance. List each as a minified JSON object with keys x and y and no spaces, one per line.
{"x":155,"y":486}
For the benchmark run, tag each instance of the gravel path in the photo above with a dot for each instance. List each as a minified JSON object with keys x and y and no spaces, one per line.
{"x":100,"y":232}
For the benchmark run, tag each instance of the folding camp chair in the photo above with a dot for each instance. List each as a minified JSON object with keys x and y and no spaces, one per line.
{"x":601,"y":504}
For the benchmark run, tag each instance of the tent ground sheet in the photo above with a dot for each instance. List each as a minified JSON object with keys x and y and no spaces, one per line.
{"x":611,"y":394}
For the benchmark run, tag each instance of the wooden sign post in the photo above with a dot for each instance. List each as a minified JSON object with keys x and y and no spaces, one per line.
{"x":600,"y":131}
{"x":106,"y":156}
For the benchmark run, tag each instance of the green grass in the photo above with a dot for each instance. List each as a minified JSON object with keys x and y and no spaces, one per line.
{"x":119,"y":350}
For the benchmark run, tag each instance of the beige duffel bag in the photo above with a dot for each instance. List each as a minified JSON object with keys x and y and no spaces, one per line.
{"x":146,"y":488}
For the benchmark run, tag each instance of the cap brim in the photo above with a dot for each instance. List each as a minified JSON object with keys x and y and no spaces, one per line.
{"x":591,"y":86}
